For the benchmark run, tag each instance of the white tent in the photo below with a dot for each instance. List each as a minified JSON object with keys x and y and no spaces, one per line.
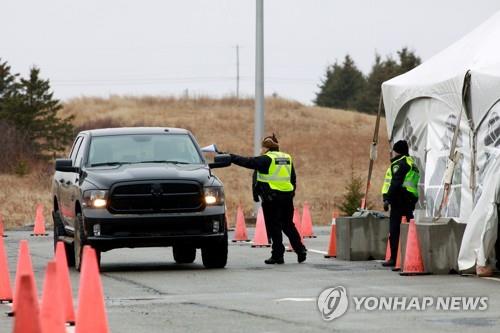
{"x":423,"y":107}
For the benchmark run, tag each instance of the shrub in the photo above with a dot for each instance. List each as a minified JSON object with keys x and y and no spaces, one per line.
{"x":351,"y":200}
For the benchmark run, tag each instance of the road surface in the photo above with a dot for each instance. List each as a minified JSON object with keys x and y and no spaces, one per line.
{"x":145,"y":291}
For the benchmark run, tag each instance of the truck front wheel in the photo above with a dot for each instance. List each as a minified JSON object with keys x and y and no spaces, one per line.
{"x":79,"y":242}
{"x":214,"y":255}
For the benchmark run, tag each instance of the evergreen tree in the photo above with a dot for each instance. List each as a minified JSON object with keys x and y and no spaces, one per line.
{"x":341,"y":85}
{"x":407,"y":60}
{"x":351,"y":200}
{"x":381,"y":72}
{"x":30,"y":106}
{"x":7,"y":83}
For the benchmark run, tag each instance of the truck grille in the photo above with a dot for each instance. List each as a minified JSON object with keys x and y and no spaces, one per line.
{"x":156,"y":197}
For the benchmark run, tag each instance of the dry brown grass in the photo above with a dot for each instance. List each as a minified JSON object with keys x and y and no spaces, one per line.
{"x":20,"y":195}
{"x":327,"y":144}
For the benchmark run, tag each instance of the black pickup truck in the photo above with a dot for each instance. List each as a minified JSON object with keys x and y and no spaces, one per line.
{"x":140,"y":187}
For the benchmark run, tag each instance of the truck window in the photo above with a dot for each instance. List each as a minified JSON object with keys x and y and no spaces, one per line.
{"x":75,"y":148}
{"x":79,"y":155}
{"x":142,"y":148}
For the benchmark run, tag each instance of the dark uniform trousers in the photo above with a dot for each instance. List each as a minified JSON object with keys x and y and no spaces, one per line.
{"x":398,"y":210}
{"x":278,"y":214}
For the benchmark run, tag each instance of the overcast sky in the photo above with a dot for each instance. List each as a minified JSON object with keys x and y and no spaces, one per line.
{"x":102,"y":47}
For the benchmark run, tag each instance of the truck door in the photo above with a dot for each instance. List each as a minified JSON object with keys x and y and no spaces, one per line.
{"x":74,"y":180}
{"x":65,"y":180}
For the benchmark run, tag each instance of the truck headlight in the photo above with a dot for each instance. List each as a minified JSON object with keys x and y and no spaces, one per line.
{"x":214,"y":196}
{"x":95,"y":198}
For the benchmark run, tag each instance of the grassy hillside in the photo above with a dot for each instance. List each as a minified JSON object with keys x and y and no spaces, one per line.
{"x":328,"y":146}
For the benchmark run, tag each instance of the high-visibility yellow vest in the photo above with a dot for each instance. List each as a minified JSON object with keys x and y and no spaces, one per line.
{"x":279,"y":174}
{"x":411,"y":180}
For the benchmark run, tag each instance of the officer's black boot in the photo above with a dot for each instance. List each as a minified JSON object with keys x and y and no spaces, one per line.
{"x":301,"y":256}
{"x":389,"y":263}
{"x":273,"y":260}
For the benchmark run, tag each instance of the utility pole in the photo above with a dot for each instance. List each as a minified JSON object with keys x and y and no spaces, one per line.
{"x":237,"y":72}
{"x":259,"y":83}
{"x":259,"y":78}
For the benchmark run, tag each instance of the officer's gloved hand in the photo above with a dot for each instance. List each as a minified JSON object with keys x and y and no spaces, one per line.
{"x":386,"y":205}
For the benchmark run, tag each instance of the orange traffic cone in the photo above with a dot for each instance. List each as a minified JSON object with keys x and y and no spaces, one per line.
{"x":27,"y":318}
{"x":388,"y":249}
{"x":332,"y":246}
{"x":306,"y":225}
{"x":260,"y":237}
{"x":91,"y":313}
{"x":24,"y":267}
{"x":64,"y":284}
{"x":397,"y":267}
{"x":52,"y":309}
{"x":39,"y":229}
{"x":413,"y":264}
{"x":2,"y":234}
{"x":229,"y":226}
{"x":240,"y":233}
{"x":5,"y":289}
{"x":296,"y":222}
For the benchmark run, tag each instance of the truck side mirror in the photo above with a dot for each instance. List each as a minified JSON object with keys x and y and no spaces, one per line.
{"x":65,"y":165}
{"x":221,"y":161}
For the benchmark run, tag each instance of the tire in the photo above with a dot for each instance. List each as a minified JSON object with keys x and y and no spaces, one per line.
{"x":215,"y":254}
{"x":184,"y":254}
{"x":60,"y":231}
{"x":79,"y":242}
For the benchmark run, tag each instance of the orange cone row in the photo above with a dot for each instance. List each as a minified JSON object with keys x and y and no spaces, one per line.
{"x":56,"y":308}
{"x":303,"y":226}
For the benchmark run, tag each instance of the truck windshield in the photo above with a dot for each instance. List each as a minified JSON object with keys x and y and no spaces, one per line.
{"x":143,"y":148}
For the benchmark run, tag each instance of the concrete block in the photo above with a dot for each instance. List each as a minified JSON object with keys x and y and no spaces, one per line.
{"x":362,"y":237}
{"x":439,"y":244}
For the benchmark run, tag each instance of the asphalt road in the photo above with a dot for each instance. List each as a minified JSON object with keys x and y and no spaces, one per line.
{"x":146,"y":291}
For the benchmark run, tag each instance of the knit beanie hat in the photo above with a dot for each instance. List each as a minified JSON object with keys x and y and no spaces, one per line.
{"x":270,"y":142}
{"x":401,"y":147}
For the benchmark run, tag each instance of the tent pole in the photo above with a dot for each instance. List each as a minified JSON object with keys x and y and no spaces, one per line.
{"x":454,"y":155}
{"x":373,"y":152}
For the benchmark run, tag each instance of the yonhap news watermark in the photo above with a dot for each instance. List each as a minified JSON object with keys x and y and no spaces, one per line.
{"x":334,"y":302}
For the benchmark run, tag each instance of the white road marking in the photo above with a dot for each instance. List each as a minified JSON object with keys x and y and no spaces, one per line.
{"x":492,"y":278}
{"x":317,"y":251}
{"x":296,"y":299}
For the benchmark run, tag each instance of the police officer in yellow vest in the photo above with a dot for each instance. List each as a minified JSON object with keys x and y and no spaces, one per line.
{"x":400,"y":192}
{"x":274,"y":183}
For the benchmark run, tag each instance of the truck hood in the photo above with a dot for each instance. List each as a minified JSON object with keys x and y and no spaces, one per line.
{"x":105,"y":177}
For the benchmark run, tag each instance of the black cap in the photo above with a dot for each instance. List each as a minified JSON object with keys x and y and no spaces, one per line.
{"x":401,"y":147}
